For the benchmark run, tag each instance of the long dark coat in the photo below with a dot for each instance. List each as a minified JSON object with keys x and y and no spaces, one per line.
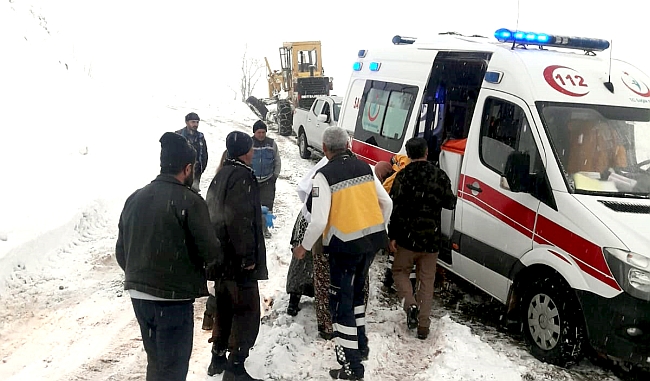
{"x":236,"y":214}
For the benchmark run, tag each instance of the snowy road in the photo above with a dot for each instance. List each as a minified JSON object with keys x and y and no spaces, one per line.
{"x":67,"y":318}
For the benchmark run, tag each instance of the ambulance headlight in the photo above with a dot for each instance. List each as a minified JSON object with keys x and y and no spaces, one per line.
{"x":631,"y":271}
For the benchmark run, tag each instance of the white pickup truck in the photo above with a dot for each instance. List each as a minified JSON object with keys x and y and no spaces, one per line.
{"x":308,"y":125}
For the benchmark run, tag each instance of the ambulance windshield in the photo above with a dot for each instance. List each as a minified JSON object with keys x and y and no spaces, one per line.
{"x":602,"y":149}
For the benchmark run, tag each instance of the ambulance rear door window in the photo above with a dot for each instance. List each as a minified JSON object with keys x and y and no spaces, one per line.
{"x":385,"y":113}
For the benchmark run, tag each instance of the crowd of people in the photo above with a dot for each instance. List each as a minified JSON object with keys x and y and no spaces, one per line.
{"x":171,"y":242}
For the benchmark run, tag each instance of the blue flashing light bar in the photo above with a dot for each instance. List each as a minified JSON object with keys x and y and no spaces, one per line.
{"x":543,"y":39}
{"x":357,"y":66}
{"x":374,"y":66}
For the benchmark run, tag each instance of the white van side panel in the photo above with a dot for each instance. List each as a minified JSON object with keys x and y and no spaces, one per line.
{"x":404,"y":65}
{"x":350,"y":106}
{"x":574,"y":235}
{"x":477,"y":275}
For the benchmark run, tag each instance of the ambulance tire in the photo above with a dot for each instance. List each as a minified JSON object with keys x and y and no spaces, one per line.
{"x":550,"y":305}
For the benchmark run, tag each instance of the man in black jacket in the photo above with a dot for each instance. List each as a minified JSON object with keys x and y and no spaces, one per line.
{"x":165,"y":242}
{"x":419,"y":193}
{"x":236,"y":215}
{"x":197,"y":140}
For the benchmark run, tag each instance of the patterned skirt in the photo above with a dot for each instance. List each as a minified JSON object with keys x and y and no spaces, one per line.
{"x":317,"y":264}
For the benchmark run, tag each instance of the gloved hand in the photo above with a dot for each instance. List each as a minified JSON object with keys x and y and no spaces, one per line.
{"x":268,"y":216}
{"x":269,"y":220}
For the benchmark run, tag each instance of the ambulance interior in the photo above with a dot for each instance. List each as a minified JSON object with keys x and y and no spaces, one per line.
{"x":446,"y":113}
{"x":601,"y":149}
{"x":450,"y":99}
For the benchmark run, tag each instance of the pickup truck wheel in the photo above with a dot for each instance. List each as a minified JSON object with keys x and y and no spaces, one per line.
{"x":285,"y":118}
{"x":552,"y":321}
{"x":305,"y":153}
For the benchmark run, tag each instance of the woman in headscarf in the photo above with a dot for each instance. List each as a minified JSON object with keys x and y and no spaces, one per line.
{"x":310,"y":275}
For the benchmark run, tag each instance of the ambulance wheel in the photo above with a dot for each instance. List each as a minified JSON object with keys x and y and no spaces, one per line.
{"x":552,"y":321}
{"x":302,"y":145}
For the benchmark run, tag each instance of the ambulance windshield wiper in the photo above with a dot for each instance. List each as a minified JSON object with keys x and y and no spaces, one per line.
{"x":614,"y":194}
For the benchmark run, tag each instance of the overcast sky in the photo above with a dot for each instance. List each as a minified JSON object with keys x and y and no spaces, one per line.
{"x":196,"y":46}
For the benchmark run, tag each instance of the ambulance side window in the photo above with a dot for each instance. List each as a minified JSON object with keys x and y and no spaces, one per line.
{"x":504,"y":129}
{"x":384,"y":114}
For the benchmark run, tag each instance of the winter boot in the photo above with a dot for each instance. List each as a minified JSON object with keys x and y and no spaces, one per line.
{"x":325,"y":335}
{"x":344,"y":374}
{"x":423,"y":333}
{"x":388,"y":282}
{"x":294,"y":300}
{"x":218,"y":363}
{"x":365,"y":352}
{"x":237,"y":372}
{"x":208,"y":321}
{"x":412,"y":317}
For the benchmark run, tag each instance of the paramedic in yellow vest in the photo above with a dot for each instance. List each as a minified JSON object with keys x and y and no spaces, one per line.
{"x":350,"y":209}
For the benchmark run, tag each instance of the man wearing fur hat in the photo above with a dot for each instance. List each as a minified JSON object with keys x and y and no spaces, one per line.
{"x":197,"y":140}
{"x":266,"y":165}
{"x":165,"y":242}
{"x":236,"y":215}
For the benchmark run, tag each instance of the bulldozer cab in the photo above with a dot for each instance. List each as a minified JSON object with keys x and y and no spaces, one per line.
{"x":300,"y":60}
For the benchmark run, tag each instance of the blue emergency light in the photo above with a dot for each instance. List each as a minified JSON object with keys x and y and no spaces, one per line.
{"x":374,"y":66}
{"x":543,"y":39}
{"x":357,"y":66}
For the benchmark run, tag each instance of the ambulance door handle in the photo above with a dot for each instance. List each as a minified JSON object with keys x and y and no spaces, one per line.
{"x":475,"y":188}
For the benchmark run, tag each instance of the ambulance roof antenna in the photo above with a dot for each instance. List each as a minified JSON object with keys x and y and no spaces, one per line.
{"x":517,"y":26}
{"x":609,"y":85}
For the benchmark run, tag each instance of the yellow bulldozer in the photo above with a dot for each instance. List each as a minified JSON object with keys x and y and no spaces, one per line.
{"x":298,"y":83}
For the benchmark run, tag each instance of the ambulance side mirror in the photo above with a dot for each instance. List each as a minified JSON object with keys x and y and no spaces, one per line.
{"x":516,"y":176}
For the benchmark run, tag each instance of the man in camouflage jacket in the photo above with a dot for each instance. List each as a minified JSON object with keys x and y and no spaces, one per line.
{"x":419,"y":193}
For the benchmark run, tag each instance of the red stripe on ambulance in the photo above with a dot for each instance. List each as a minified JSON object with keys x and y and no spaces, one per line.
{"x":587,"y":255}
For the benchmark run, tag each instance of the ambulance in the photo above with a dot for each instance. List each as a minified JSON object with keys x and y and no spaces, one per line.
{"x":546,"y":140}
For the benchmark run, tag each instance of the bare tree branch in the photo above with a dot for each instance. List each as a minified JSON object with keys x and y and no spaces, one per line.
{"x":250,"y":71}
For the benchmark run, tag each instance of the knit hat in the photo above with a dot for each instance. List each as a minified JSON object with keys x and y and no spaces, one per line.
{"x":175,"y":151}
{"x":259,"y":125}
{"x":191,"y":116}
{"x":238,"y":144}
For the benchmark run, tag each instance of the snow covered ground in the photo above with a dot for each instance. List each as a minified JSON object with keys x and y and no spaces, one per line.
{"x":65,"y":317}
{"x":73,"y":150}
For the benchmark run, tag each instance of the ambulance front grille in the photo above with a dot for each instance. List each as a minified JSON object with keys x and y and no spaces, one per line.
{"x":626,"y":207}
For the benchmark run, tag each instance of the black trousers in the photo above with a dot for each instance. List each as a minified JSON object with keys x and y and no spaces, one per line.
{"x":167,"y":330}
{"x":237,"y":318}
{"x":267,"y":193}
{"x":348,"y":274}
{"x":211,"y":305}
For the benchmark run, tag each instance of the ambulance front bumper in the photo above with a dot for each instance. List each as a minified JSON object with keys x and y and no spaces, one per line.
{"x":618,"y":327}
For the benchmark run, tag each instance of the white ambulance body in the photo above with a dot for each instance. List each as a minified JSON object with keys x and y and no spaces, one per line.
{"x":550,"y":168}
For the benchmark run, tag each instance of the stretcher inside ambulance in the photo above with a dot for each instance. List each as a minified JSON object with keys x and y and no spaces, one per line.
{"x":547,"y":143}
